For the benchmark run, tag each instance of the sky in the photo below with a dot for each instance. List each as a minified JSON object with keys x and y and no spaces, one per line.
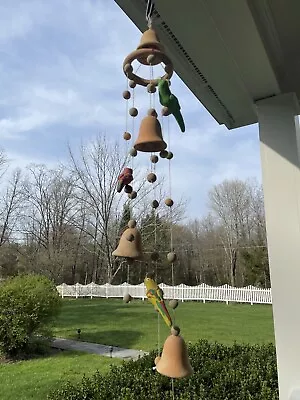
{"x":61,"y":83}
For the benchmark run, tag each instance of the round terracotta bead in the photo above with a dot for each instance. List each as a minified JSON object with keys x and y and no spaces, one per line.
{"x":151,"y":177}
{"x":165,"y":111}
{"x":132,"y":195}
{"x":131,"y":223}
{"x":133,"y":111}
{"x":164,"y":154}
{"x":128,"y":68}
{"x":155,"y":204}
{"x":171,"y":257}
{"x":154,"y":159}
{"x":173,"y":304}
{"x":152,"y":112}
{"x":133,"y":152}
{"x":169,"y":202}
{"x":151,"y":88}
{"x":126,"y":95}
{"x":126,"y":136}
{"x":128,"y":189}
{"x":151,"y":59}
{"x":127,"y":298}
{"x":175,"y":330}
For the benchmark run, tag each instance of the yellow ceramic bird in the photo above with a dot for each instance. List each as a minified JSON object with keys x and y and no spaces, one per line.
{"x":155,"y":297}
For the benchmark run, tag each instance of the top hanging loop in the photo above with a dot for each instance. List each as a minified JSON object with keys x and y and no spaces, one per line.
{"x":149,"y":12}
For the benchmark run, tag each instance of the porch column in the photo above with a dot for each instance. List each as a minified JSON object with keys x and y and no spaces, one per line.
{"x":280,"y":158}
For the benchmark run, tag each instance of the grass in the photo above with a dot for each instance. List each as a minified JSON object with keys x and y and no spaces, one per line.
{"x":134,"y":325}
{"x":34,"y":379}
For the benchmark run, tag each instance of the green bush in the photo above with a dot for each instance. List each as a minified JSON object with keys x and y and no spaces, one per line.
{"x":28,"y":304}
{"x":238,"y":372}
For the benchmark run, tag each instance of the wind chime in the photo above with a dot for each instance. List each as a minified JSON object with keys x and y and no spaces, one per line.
{"x":173,"y":362}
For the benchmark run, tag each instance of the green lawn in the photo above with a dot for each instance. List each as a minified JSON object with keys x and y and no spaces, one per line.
{"x":134,"y":325}
{"x":34,"y":379}
{"x":110,"y":321}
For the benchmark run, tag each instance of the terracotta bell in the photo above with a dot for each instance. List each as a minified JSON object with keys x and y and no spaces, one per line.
{"x":150,"y":40}
{"x":174,"y":361}
{"x":150,"y":137}
{"x":130,"y":245}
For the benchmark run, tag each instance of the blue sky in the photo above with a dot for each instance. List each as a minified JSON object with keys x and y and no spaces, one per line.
{"x":61,"y":81}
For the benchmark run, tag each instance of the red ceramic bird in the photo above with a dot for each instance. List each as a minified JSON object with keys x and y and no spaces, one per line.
{"x":124,"y":179}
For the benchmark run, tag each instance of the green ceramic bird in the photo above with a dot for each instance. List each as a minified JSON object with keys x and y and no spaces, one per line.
{"x":167,"y":99}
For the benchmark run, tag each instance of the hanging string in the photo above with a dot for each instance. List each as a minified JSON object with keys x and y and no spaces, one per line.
{"x":126,"y":123}
{"x":173,"y":390}
{"x":149,"y":12}
{"x":171,"y":212}
{"x":133,"y":118}
{"x":158,"y":334}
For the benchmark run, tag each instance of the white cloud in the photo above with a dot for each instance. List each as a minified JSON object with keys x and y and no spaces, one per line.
{"x":62,"y":69}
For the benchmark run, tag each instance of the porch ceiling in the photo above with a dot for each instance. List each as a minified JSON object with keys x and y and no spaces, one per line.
{"x":229,"y":53}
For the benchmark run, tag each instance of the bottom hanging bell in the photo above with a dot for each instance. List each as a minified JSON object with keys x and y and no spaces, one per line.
{"x":174,"y":361}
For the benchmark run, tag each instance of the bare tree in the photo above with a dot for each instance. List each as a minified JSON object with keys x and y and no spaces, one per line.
{"x":10,"y":206}
{"x":95,"y":173}
{"x":49,"y":212}
{"x":237,"y":206}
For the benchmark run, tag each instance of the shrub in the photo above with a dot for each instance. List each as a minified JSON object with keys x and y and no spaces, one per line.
{"x":237,"y":372}
{"x":28,"y":304}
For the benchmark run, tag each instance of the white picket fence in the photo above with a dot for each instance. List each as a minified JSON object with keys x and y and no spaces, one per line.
{"x":203,"y":292}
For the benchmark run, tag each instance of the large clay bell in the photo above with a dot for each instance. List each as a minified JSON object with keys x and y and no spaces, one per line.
{"x":174,"y":361}
{"x":150,"y":137}
{"x":130,"y":245}
{"x":150,"y":40}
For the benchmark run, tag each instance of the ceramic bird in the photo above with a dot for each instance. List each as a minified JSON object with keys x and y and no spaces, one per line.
{"x":155,"y":297}
{"x":167,"y":99}
{"x":124,"y":179}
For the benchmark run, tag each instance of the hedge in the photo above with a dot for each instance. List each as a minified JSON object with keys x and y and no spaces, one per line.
{"x":238,"y":372}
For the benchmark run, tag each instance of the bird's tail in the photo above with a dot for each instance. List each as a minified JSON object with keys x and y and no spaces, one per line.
{"x":179,"y":118}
